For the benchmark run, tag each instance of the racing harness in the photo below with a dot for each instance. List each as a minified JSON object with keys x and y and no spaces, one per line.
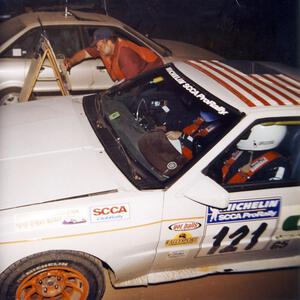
{"x":199,"y":128}
{"x":248,"y":170}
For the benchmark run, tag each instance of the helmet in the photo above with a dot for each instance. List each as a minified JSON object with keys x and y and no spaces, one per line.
{"x":263,"y":138}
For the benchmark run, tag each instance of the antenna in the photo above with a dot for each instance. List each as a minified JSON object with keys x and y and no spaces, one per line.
{"x":105,"y":7}
{"x":67,"y":13}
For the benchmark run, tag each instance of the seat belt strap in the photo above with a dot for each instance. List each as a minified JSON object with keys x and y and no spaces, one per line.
{"x":260,"y":162}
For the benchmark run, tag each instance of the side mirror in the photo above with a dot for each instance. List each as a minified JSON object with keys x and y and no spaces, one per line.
{"x":209,"y":193}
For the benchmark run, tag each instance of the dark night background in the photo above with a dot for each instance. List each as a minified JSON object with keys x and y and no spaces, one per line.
{"x":236,"y":29}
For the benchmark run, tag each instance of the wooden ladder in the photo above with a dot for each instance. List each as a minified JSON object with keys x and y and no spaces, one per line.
{"x":45,"y":51}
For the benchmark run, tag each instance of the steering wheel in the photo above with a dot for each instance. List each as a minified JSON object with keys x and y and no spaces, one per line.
{"x":141,"y":110}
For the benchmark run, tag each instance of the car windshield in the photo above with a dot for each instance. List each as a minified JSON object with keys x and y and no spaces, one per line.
{"x":162,"y":50}
{"x":165,"y":122}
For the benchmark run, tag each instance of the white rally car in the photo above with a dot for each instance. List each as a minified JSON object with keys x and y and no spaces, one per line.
{"x":188,"y":170}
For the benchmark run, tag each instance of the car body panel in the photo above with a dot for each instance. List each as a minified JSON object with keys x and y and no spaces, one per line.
{"x":72,"y":194}
{"x":13,"y":73}
{"x":44,"y":122}
{"x":181,"y":50}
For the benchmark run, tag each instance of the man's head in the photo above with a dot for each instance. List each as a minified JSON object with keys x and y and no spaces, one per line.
{"x":104,"y":39}
{"x":103,"y":33}
{"x":106,"y":47}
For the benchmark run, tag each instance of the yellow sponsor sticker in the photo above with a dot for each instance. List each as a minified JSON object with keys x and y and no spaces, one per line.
{"x":183,"y":238}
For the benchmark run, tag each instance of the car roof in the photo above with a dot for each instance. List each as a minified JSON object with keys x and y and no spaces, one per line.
{"x":32,"y":18}
{"x":15,"y":27}
{"x":245,"y":85}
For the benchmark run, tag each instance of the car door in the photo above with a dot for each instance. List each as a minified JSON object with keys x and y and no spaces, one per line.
{"x":15,"y":60}
{"x":262,"y":219}
{"x":259,"y":222}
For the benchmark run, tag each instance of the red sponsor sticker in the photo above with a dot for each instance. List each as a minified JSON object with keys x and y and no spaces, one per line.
{"x":115,"y":212}
{"x":185,"y":226}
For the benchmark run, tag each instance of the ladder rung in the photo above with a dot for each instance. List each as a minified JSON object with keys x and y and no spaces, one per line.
{"x":47,"y":79}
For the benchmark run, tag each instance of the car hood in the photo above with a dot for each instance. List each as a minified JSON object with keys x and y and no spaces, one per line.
{"x":181,"y":50}
{"x":49,"y":152}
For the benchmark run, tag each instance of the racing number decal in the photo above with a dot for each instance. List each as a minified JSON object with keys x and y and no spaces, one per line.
{"x":243,"y":226}
{"x":236,"y":237}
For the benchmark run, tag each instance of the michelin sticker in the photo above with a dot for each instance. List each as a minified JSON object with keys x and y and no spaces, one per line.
{"x":245,"y":210}
{"x":243,"y":226}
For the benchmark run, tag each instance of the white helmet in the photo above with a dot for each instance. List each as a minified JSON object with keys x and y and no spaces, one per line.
{"x":263,"y":138}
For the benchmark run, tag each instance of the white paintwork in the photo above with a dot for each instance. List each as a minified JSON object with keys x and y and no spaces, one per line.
{"x":57,"y":134}
{"x":60,"y":190}
{"x":182,"y":50}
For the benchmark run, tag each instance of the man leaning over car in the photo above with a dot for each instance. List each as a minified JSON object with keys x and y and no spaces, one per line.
{"x":123,"y":59}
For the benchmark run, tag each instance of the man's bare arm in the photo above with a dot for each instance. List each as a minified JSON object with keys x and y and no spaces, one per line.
{"x":76,"y":58}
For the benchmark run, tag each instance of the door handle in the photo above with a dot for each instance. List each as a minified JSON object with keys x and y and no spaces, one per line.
{"x":101,"y":68}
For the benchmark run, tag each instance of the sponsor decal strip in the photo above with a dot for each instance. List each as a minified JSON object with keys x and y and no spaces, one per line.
{"x":250,"y":82}
{"x":248,"y":210}
{"x":223,"y":83}
{"x":100,"y":231}
{"x":200,"y":95}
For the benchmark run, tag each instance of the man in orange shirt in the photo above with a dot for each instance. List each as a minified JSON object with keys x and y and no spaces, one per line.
{"x":123,"y":59}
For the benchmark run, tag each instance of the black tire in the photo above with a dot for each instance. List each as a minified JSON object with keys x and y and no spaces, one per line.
{"x":9,"y":95}
{"x":54,"y":274}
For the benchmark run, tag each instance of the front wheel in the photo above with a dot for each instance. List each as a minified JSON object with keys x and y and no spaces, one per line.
{"x":63,"y":275}
{"x":9,"y":96}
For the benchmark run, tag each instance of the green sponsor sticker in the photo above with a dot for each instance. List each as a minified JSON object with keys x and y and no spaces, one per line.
{"x":291,"y":223}
{"x":114,"y":115}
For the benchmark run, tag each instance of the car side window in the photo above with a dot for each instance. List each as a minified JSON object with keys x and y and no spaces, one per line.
{"x":64,"y":40}
{"x":267,"y":154}
{"x":24,"y":46}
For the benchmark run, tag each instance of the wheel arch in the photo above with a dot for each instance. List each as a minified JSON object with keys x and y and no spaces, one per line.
{"x":91,"y":257}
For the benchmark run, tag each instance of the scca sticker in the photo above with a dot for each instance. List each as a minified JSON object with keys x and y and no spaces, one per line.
{"x":185,"y":226}
{"x":115,"y":212}
{"x":184,"y":238}
{"x":245,"y":210}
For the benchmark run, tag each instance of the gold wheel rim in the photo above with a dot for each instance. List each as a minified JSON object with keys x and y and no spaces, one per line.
{"x":54,"y":283}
